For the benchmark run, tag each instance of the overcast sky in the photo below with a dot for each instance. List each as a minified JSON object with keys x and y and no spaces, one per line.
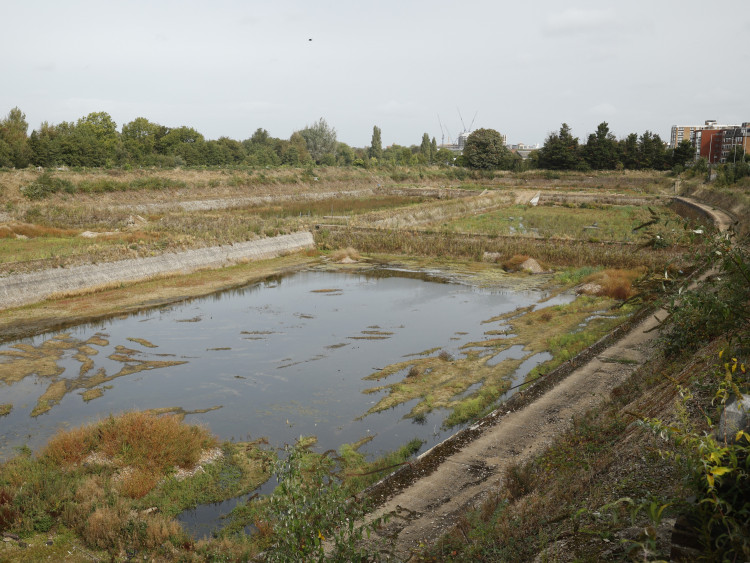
{"x":228,"y":67}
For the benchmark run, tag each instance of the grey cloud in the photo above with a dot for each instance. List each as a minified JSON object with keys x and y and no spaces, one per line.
{"x":574,"y":21}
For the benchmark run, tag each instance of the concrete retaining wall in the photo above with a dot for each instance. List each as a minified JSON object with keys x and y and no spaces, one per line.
{"x":21,"y":289}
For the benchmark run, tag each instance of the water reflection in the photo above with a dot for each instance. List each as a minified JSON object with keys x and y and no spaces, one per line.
{"x":281,"y":358}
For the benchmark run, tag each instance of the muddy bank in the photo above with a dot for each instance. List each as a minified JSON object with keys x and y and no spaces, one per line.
{"x":22,"y":289}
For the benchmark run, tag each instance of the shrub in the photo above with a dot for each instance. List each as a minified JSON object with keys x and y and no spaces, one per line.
{"x":102,"y":185}
{"x":719,"y":467}
{"x":310,"y":507}
{"x":45,"y":185}
{"x":155,"y":183}
{"x":8,"y":513}
{"x":721,"y":305}
{"x":445,"y":356}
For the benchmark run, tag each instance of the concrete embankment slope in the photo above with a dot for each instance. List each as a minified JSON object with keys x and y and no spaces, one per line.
{"x":22,"y":289}
{"x":425,"y":498}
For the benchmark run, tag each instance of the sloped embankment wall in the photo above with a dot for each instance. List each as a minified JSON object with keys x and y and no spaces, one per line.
{"x":21,"y":289}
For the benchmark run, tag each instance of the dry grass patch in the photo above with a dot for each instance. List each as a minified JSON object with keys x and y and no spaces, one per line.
{"x":149,"y":445}
{"x":347,"y":254}
{"x":28,"y":230}
{"x":614,"y":283}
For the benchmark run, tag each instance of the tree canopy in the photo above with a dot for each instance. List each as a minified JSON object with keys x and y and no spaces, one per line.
{"x":560,"y":150}
{"x":485,"y":149}
{"x":14,"y":148}
{"x":376,"y":144}
{"x":320,"y":139}
{"x":94,"y":141}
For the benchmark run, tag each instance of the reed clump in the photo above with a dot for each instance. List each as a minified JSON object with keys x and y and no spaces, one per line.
{"x":614,"y":283}
{"x":553,"y":252}
{"x":149,"y":444}
{"x":345,"y":254}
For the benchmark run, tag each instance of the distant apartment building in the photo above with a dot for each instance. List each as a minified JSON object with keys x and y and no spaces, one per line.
{"x":715,"y":144}
{"x":523,"y":150}
{"x":735,"y":137}
{"x":711,"y":140}
{"x":524,"y":147}
{"x":686,"y":132}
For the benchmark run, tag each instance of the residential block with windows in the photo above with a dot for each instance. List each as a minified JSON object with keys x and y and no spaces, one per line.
{"x":711,"y":140}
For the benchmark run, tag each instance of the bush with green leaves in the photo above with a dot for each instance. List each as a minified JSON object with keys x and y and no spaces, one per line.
{"x":718,"y":467}
{"x":312,"y":516}
{"x":45,"y":185}
{"x":718,"y":306}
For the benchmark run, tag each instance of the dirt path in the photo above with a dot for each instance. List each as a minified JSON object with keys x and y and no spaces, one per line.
{"x":429,"y":507}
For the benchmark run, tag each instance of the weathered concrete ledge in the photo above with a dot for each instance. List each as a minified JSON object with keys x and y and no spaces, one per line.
{"x":693,"y":209}
{"x":428,"y":461}
{"x":22,"y":289}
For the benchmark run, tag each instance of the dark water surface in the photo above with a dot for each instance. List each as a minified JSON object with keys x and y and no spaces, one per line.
{"x":281,"y":358}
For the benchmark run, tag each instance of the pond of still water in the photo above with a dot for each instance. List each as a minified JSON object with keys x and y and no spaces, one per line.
{"x":277,"y":359}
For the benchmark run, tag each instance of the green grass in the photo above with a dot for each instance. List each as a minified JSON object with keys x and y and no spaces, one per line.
{"x":613,"y":223}
{"x":15,"y":250}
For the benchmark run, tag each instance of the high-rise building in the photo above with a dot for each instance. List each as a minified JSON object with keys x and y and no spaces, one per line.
{"x":715,"y":144}
{"x":686,"y":132}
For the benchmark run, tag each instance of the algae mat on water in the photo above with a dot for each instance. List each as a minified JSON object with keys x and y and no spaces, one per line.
{"x":469,"y":384}
{"x":43,"y":361}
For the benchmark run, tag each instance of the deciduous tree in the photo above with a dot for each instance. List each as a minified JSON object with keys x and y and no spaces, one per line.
{"x":14,"y":146}
{"x":424,"y":148}
{"x":376,"y":144}
{"x":485,"y":149}
{"x":139,"y":137}
{"x":320,"y":139}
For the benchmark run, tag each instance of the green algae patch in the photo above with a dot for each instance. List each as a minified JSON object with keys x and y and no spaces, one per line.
{"x":91,"y":394}
{"x":242,"y":468}
{"x":470,"y":384}
{"x":180,"y":412}
{"x":143,"y":342}
{"x":43,"y":361}
{"x":5,"y":409}
{"x":438,"y":381}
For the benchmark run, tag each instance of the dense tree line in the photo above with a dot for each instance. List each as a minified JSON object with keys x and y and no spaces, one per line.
{"x":603,"y":151}
{"x":94,"y":141}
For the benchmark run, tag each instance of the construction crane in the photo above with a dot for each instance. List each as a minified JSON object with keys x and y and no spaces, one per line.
{"x":466,"y":132}
{"x":471,"y":125}
{"x":443,"y":131}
